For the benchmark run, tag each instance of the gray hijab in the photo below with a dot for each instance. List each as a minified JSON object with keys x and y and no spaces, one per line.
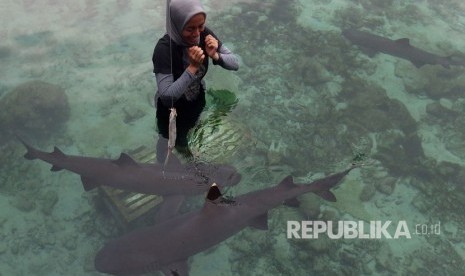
{"x":178,"y":12}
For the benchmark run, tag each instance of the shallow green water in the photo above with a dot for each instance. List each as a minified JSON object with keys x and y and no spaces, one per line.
{"x":310,"y":103}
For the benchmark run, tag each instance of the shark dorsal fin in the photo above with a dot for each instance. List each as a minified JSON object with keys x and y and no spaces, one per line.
{"x":58,"y":153}
{"x":403,"y":41}
{"x":287,"y":182}
{"x":125,"y":160}
{"x":213,"y":193}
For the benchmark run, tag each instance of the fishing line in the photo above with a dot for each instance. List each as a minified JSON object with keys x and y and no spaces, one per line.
{"x":168,"y":3}
{"x":173,"y":114}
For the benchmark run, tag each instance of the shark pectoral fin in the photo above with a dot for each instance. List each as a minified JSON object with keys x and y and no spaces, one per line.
{"x":169,"y":207}
{"x":368,"y":51}
{"x":403,"y":41}
{"x":88,"y":184}
{"x":179,"y":268}
{"x":125,"y":160}
{"x":260,"y":222}
{"x":326,"y":195}
{"x":55,"y":168}
{"x":418,"y":64}
{"x":293,"y":202}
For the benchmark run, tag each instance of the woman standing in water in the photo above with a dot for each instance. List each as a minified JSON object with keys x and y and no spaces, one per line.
{"x":180,"y":61}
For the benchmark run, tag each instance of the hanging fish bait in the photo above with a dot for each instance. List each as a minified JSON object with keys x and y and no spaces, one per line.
{"x":171,"y":133}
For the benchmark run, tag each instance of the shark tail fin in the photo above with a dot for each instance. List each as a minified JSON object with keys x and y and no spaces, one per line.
{"x":323,"y":186}
{"x":31,"y":153}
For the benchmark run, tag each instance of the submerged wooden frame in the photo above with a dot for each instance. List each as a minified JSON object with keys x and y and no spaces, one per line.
{"x":127,"y":206}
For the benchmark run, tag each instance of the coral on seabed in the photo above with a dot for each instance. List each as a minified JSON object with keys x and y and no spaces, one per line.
{"x":35,"y":108}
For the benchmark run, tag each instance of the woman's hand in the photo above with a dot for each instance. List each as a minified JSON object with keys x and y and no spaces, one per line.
{"x":196,"y":57}
{"x":211,"y":47}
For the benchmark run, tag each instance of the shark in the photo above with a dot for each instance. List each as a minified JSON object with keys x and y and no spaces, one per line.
{"x":166,"y":246}
{"x":172,"y":182}
{"x":372,"y":44}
